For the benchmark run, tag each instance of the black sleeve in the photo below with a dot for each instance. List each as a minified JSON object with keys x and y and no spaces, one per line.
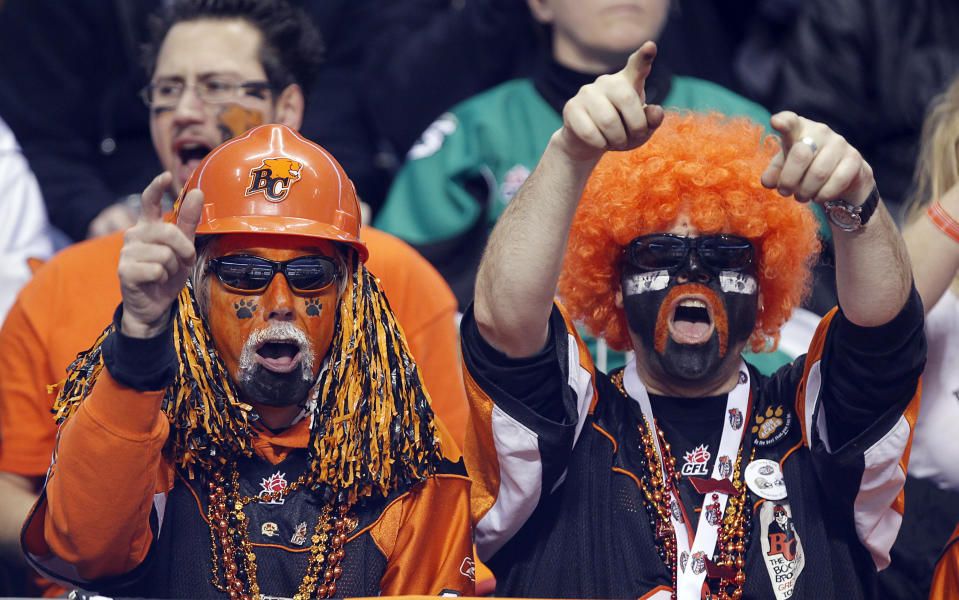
{"x":869,"y":372}
{"x":535,"y":381}
{"x":142,"y":364}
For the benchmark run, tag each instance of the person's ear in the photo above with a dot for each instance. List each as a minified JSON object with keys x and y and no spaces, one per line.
{"x":618,"y":299}
{"x":542,"y":11}
{"x":290,"y":105}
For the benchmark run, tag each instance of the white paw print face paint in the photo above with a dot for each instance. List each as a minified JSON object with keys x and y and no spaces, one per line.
{"x":641,"y":283}
{"x":735,"y":282}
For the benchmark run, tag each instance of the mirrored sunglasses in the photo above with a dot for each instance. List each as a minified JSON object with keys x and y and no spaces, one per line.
{"x":243,"y":273}
{"x":721,"y":252}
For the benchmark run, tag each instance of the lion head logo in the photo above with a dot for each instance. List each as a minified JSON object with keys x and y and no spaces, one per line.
{"x":274,"y":178}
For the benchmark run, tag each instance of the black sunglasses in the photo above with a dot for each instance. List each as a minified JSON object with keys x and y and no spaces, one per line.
{"x":721,"y":252}
{"x":243,"y":273}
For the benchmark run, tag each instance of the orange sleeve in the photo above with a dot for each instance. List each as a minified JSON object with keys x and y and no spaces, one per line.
{"x":27,"y":428}
{"x":426,"y":308}
{"x":57,"y":314}
{"x":427,"y":540}
{"x":436,"y":348}
{"x":100,"y":494}
{"x":945,"y":580}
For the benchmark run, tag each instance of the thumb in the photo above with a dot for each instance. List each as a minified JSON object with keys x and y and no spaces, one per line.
{"x":189,"y":216}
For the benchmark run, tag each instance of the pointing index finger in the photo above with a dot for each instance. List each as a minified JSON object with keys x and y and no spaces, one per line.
{"x":789,"y":127}
{"x":188,"y":216}
{"x":639,"y":65}
{"x":151,"y":208}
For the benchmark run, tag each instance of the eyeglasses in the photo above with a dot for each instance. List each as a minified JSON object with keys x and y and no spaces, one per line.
{"x":720,"y":252}
{"x":246,"y":274}
{"x":214,"y":90}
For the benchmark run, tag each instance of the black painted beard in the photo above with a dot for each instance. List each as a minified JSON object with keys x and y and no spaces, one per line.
{"x":269,"y":388}
{"x":689,"y":363}
{"x":735,"y":316}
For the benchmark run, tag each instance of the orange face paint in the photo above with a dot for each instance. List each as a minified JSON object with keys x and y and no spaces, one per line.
{"x":272,"y":342}
{"x":235,"y":120}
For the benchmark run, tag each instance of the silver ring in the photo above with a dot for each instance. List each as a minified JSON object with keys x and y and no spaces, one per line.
{"x":809,"y":142}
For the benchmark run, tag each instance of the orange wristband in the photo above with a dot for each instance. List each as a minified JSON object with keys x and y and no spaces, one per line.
{"x":941,"y":219}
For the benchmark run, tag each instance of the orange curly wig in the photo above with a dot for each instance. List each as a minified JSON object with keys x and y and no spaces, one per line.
{"x":707,"y":165}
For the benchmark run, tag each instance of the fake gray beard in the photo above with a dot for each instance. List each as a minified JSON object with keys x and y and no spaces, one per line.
{"x":270,"y":388}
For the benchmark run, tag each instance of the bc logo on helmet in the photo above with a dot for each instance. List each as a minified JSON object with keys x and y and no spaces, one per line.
{"x":274,"y":178}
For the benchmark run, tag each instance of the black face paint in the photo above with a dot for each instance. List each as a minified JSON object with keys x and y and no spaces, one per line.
{"x":648,"y":300}
{"x":270,"y":388}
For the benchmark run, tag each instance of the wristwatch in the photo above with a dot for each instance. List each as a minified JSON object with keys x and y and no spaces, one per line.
{"x":848,"y":217}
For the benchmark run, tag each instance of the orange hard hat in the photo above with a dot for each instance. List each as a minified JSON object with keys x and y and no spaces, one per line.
{"x":273,"y":180}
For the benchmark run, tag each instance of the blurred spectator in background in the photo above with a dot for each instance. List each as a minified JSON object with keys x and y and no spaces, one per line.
{"x":24,"y":235}
{"x":25,"y":232}
{"x":68,"y":82}
{"x":69,"y":77}
{"x":419,"y":57}
{"x":932,"y":236}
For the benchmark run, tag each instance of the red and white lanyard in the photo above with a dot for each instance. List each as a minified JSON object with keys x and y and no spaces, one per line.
{"x":691,"y":573}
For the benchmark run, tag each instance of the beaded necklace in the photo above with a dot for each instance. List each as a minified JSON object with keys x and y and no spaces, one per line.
{"x":234,"y":571}
{"x":659,"y":482}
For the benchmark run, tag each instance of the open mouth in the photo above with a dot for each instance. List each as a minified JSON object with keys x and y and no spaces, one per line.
{"x":691,"y":320}
{"x":190,"y":154}
{"x":279,"y":356}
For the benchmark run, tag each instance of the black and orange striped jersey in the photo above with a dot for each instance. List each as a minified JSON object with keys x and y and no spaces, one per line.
{"x":556,"y":459}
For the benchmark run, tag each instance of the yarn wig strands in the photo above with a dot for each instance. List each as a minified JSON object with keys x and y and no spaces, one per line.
{"x":372,"y":429}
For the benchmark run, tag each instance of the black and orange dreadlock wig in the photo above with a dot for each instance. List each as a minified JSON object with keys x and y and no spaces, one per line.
{"x":372,"y":429}
{"x":709,"y":166}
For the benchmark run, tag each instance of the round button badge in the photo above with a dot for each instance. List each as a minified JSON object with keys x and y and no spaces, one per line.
{"x":765,"y":479}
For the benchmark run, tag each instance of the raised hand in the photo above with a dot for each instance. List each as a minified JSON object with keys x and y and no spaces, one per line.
{"x":611,"y":113}
{"x":816,"y":163}
{"x":156,"y":260}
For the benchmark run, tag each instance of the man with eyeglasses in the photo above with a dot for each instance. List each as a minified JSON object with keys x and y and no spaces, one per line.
{"x":253,"y":422}
{"x":230,"y":65}
{"x":688,"y":474}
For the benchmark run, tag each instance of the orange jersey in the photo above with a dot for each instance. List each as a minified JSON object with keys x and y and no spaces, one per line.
{"x":110,"y":475}
{"x":72,"y":298}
